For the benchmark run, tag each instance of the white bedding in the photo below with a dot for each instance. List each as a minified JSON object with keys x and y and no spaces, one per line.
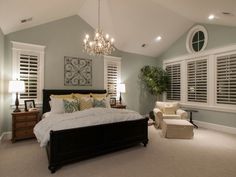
{"x":93,"y":116}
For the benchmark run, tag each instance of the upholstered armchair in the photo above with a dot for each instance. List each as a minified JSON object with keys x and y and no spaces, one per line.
{"x":167,"y":110}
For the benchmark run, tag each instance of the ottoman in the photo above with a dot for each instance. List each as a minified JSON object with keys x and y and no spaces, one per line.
{"x":177,"y":128}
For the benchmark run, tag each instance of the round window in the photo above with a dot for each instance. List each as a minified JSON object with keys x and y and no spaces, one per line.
{"x":196,"y":39}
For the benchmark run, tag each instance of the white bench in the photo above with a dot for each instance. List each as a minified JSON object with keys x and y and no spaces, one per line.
{"x":177,"y":128}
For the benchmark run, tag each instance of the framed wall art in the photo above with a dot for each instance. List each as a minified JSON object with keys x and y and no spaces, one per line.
{"x":77,"y":71}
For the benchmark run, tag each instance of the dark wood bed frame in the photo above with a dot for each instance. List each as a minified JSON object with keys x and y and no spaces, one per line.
{"x":70,"y":145}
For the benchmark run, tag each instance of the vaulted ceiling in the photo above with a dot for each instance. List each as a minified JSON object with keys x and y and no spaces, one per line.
{"x":131,"y":22}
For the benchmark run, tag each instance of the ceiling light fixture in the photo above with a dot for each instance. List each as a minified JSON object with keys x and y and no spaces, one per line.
{"x":100,"y":45}
{"x":158,"y":38}
{"x":211,"y":17}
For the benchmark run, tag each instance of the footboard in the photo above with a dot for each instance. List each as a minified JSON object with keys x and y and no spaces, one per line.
{"x":71,"y":145}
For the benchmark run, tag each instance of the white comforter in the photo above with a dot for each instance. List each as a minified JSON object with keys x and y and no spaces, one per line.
{"x":93,"y":116}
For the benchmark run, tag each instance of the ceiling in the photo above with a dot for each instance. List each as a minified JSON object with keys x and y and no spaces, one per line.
{"x":131,"y":22}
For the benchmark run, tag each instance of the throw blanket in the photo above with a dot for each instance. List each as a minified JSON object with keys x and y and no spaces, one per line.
{"x":93,"y":116}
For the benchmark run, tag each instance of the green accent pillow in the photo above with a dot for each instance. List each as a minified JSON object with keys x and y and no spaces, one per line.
{"x":99,"y":103}
{"x":71,"y":105}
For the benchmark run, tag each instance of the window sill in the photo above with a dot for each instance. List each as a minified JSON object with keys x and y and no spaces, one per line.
{"x":209,"y":108}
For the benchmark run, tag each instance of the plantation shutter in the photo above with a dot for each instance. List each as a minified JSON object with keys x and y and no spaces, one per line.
{"x":197,"y":80}
{"x":173,"y":92}
{"x":226,"y":79}
{"x":112,"y":77}
{"x":29,"y":73}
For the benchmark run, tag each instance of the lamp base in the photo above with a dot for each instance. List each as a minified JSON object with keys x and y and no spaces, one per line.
{"x":17,"y":110}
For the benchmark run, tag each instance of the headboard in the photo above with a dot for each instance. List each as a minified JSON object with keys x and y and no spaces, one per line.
{"x":47,"y":93}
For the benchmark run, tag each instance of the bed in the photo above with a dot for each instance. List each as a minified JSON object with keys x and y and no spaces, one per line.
{"x":75,"y":144}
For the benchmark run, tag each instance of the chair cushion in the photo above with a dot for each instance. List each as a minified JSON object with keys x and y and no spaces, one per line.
{"x":171,"y":116}
{"x":167,"y":107}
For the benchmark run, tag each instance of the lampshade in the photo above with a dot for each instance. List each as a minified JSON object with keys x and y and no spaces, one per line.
{"x":121,"y":88}
{"x":16,"y":86}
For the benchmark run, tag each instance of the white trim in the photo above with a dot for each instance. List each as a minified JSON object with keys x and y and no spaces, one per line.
{"x":5,"y":136}
{"x":112,"y":59}
{"x":39,"y":50}
{"x":27,"y":47}
{"x":215,"y":51}
{"x":211,"y":77}
{"x":220,"y":128}
{"x":190,"y":35}
{"x":208,"y":107}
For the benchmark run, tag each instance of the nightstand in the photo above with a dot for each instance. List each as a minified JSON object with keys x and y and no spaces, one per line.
{"x":23,"y":124}
{"x":119,"y":106}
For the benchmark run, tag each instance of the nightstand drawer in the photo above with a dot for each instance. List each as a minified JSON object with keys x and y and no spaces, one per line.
{"x":25,"y":118}
{"x":24,"y":133}
{"x":20,"y":125}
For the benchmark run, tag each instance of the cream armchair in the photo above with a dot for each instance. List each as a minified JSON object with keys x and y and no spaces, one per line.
{"x":167,"y":110}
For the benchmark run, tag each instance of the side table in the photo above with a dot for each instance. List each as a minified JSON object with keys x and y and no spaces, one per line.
{"x":191,"y":116}
{"x":119,"y":106}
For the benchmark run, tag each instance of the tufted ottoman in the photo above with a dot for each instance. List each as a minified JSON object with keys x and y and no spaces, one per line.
{"x":177,"y":128}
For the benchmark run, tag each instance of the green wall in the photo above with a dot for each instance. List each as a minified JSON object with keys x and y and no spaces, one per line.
{"x":218,"y":36}
{"x":64,"y":38}
{"x":1,"y":79}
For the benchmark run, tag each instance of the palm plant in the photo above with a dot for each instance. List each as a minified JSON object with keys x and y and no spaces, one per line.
{"x":156,"y":79}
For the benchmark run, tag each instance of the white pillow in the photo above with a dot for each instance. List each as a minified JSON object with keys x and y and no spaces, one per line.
{"x":57,"y":105}
{"x":108,"y":105}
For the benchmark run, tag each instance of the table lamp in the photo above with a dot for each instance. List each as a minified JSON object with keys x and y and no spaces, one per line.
{"x":121,"y":88}
{"x":16,"y":86}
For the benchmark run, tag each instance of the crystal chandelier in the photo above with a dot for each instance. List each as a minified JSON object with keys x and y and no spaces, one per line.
{"x":100,"y":45}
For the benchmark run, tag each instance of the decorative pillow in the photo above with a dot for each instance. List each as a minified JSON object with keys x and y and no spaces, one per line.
{"x":169,"y":110}
{"x":106,"y":99}
{"x":71,"y":105}
{"x":99,"y":103}
{"x":68,"y":96}
{"x":108,"y":105}
{"x":78,"y":95}
{"x":57,"y":105}
{"x":86,"y":103}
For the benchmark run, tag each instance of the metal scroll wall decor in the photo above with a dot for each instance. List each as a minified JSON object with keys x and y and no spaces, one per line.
{"x":77,"y":71}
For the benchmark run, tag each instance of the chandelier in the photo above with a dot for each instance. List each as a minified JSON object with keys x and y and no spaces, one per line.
{"x":100,"y":45}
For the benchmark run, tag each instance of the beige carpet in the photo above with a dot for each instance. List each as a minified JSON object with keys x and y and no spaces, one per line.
{"x":209,"y":154}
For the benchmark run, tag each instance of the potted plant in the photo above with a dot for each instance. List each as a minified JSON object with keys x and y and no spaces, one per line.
{"x":156,"y":79}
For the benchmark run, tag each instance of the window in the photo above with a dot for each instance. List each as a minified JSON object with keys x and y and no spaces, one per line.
{"x":29,"y":71}
{"x":28,"y":66}
{"x":196,"y":39}
{"x":173,"y":92}
{"x":112,"y":70}
{"x":197,"y":80}
{"x":226,"y":79}
{"x":208,"y":79}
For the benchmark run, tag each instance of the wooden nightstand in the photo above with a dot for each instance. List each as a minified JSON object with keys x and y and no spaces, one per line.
{"x":23,"y":124}
{"x":118,"y":106}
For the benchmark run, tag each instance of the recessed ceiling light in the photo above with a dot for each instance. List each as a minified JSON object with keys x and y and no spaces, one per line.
{"x":158,"y":38}
{"x":211,"y":17}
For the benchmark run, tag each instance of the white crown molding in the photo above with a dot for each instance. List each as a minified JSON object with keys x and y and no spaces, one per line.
{"x":217,"y":127}
{"x":27,"y":47}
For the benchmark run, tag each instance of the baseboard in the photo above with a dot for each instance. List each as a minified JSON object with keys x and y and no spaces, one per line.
{"x":5,"y":136}
{"x":217,"y":127}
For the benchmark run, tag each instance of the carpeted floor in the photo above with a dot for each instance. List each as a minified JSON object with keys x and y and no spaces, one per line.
{"x":209,"y":154}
